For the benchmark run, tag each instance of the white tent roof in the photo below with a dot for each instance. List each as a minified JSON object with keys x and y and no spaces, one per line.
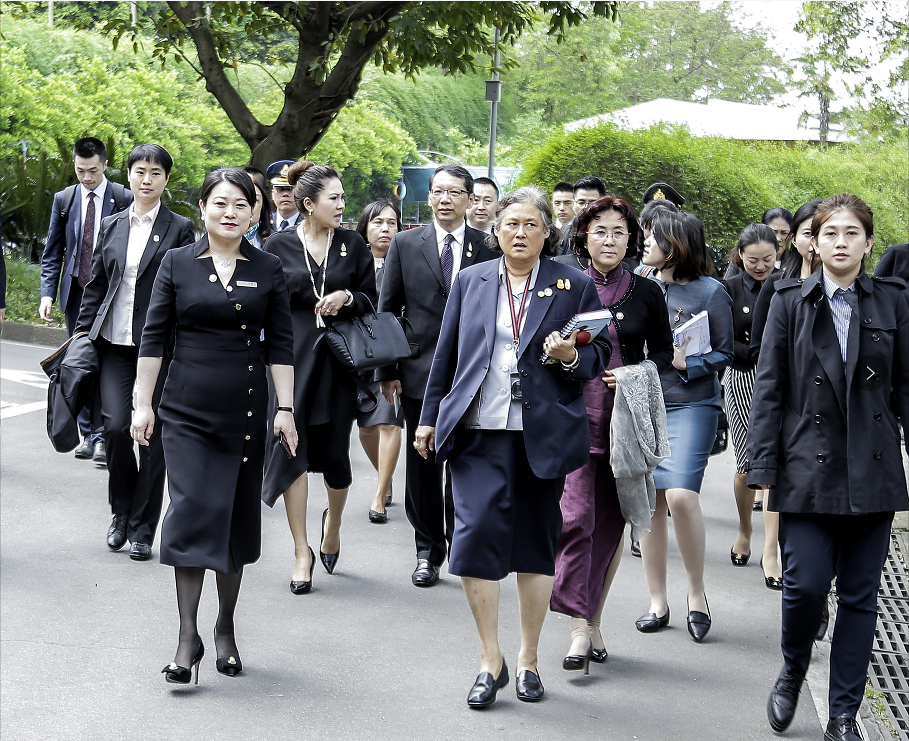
{"x":721,"y":118}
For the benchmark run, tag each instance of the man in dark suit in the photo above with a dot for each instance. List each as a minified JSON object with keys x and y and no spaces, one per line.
{"x":114,"y":306}
{"x":286,"y":214}
{"x":419,"y":269}
{"x":67,"y":259}
{"x":586,"y":190}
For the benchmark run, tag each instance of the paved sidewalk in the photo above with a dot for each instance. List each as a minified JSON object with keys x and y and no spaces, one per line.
{"x":85,"y":632}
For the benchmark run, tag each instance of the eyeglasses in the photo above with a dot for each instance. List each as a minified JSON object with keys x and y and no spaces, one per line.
{"x":439,"y":192}
{"x":601,"y":236}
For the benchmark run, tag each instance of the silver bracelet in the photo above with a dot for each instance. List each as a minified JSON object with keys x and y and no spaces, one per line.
{"x":350,"y":298}
{"x":574,"y":363}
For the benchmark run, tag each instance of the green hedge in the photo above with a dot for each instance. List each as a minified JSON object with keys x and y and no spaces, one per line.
{"x":23,"y":294}
{"x":727,"y":183}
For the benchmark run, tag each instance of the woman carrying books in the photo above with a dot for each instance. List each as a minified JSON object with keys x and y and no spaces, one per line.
{"x":590,"y":544}
{"x":691,"y":390}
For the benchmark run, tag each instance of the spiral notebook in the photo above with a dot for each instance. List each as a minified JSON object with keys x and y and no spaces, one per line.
{"x":698,"y":329}
{"x":589,"y":325}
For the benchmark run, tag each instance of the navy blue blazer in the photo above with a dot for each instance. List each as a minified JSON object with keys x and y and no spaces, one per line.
{"x":557,"y":436}
{"x":59,"y":261}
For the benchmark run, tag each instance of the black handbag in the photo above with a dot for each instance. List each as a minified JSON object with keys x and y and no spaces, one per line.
{"x":366,"y":342}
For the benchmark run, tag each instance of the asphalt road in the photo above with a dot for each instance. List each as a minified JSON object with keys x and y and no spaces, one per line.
{"x":85,"y":632}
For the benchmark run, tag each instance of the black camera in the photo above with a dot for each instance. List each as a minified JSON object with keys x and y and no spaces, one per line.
{"x":516,"y":387}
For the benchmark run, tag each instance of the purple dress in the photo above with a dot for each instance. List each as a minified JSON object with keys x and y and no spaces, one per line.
{"x":592,"y":518}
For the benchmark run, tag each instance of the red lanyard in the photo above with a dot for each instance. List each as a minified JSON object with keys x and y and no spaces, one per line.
{"x":516,"y":318}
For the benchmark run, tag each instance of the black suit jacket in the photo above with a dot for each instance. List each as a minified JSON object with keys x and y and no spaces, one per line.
{"x":412,"y":288}
{"x":60,"y":259}
{"x":169,"y":230}
{"x":894,"y":263}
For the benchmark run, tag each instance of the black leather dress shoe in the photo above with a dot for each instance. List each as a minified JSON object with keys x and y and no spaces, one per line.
{"x":380,"y":518}
{"x":116,"y":533}
{"x":140,"y":551}
{"x":784,"y":697}
{"x":483,"y":692}
{"x":650,"y":623}
{"x":843,"y":728}
{"x":86,"y":450}
{"x":99,"y":456}
{"x":528,"y":686}
{"x":426,"y":574}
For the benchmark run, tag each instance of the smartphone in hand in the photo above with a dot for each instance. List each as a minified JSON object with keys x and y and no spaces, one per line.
{"x":283,"y":441}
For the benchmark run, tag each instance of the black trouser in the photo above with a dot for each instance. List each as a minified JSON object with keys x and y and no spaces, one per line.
{"x":429,"y":504}
{"x":134,"y":490}
{"x":818,"y":547}
{"x":90,"y":416}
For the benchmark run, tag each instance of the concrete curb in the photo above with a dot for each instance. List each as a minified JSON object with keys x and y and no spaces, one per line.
{"x":33,"y":334}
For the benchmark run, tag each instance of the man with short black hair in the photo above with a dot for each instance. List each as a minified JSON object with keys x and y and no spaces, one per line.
{"x":483,"y":202}
{"x":286,"y":214}
{"x":563,"y":203}
{"x":419,"y":269}
{"x":584,"y":192}
{"x":113,"y":312}
{"x":66,"y":263}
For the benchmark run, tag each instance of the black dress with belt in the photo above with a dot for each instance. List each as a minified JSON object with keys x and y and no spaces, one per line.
{"x":214,"y":406}
{"x":325,"y":394}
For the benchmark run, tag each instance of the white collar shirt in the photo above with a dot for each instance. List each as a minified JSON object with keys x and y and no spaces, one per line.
{"x":291,"y":220}
{"x":457,"y":246}
{"x":118,"y":325}
{"x":99,"y":205}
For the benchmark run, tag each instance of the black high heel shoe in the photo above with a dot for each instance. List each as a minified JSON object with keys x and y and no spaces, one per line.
{"x":304,"y":587}
{"x":329,"y":560}
{"x":739,"y":559}
{"x":699,"y":623}
{"x":771,"y":582}
{"x":231,"y":666}
{"x":575,"y":663}
{"x":180,"y":674}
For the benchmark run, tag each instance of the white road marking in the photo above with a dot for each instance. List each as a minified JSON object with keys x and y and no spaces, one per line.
{"x":27,"y":378}
{"x":14,"y":410}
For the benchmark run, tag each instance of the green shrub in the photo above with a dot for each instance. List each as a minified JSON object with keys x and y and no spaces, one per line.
{"x":23,"y":294}
{"x":727,"y":183}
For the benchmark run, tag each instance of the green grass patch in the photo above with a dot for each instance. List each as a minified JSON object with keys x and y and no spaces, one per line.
{"x":23,"y":294}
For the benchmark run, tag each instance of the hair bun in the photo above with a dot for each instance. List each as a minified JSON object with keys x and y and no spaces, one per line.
{"x":296,"y":170}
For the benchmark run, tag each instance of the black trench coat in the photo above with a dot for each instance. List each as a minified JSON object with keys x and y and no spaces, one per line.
{"x":825,"y":435}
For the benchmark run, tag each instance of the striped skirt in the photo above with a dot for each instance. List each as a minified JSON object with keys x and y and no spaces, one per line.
{"x":739,"y":388}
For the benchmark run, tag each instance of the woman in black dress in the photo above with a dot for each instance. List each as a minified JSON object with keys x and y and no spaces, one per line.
{"x":330,"y":277}
{"x":380,"y":429}
{"x":215,"y":297}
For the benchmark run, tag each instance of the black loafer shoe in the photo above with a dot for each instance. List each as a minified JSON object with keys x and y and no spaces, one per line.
{"x":698,"y":625}
{"x":650,"y":623}
{"x":843,"y":728}
{"x":116,"y":533}
{"x":99,"y":456}
{"x":483,"y":692}
{"x":86,"y":450}
{"x":380,"y":518}
{"x":140,"y":551}
{"x":528,"y":686}
{"x":784,"y":697}
{"x":426,"y":574}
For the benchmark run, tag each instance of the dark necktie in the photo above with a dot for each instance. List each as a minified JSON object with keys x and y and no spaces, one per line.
{"x":284,"y":225}
{"x":850,"y":297}
{"x":88,"y":239}
{"x":447,"y":262}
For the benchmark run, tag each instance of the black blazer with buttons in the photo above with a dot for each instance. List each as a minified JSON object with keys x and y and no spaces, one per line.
{"x":412,"y":287}
{"x":170,"y":230}
{"x":824,"y":433}
{"x":744,"y":291}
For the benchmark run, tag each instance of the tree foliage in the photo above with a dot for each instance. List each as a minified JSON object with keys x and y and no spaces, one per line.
{"x":851,"y":39}
{"x":335,"y":41}
{"x":680,"y":50}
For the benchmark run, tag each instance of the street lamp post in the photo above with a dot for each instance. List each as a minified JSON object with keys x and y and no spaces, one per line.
{"x":493,"y":96}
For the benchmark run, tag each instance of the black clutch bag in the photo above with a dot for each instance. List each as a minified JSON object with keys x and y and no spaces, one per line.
{"x":368,"y":341}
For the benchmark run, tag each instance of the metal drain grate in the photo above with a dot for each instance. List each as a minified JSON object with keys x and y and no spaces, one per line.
{"x":889,"y":670}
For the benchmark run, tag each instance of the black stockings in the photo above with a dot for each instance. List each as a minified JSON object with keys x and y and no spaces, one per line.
{"x":189,"y":591}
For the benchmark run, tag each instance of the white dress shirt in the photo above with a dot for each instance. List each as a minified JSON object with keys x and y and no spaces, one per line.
{"x":99,"y":204}
{"x":118,"y":324}
{"x":457,"y":246}
{"x":291,"y":220}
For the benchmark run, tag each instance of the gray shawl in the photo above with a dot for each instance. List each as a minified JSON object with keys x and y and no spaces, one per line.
{"x":640,"y":441}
